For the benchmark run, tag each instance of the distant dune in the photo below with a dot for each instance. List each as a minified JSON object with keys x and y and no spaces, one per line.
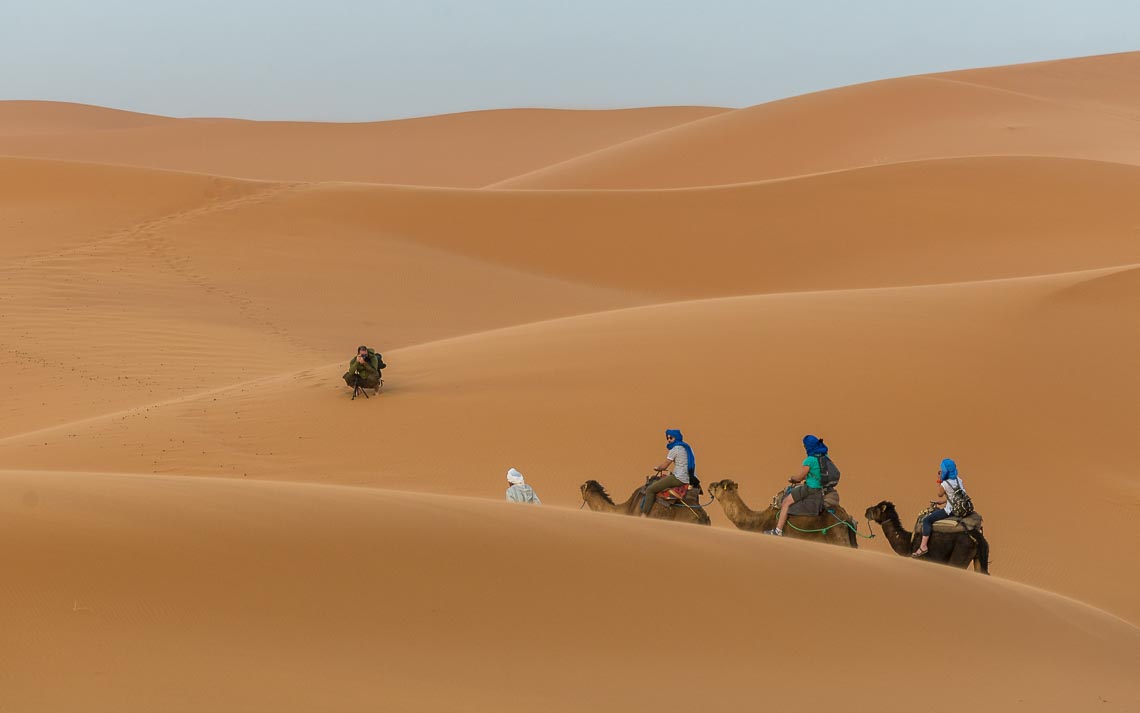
{"x":944,"y":265}
{"x":1073,"y":108}
{"x":59,"y":119}
{"x":470,"y":149}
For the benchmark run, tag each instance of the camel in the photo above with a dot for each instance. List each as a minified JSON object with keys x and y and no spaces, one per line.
{"x":957,"y":549}
{"x":598,"y":500}
{"x":745,"y":518}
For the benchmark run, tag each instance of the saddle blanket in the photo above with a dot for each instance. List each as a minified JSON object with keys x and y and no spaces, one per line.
{"x":973,"y":521}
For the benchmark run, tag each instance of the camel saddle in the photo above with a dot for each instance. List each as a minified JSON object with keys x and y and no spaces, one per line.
{"x":813,"y":505}
{"x":971,"y":522}
{"x":675,"y":496}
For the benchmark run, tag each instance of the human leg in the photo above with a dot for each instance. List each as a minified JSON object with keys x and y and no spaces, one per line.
{"x":663,"y":483}
{"x":928,"y":527}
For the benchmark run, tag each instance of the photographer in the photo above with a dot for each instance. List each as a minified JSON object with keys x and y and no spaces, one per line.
{"x":364,"y":370}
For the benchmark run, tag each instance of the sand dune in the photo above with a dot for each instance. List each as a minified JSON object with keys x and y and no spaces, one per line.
{"x":471,"y":149}
{"x":173,"y":283}
{"x":1072,"y":109}
{"x":946,"y":265}
{"x":895,"y":378}
{"x":40,"y":118}
{"x":905,"y":224}
{"x":1100,"y":83}
{"x":185,"y":595}
{"x":166,"y":283}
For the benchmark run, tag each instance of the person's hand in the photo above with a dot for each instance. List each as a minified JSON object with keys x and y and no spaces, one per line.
{"x":359,"y":359}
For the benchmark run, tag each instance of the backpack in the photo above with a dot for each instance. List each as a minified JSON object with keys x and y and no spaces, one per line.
{"x":960,"y":503}
{"x":375,"y":359}
{"x":828,"y":473}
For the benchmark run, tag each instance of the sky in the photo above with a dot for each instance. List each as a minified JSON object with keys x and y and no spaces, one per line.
{"x":359,"y":60}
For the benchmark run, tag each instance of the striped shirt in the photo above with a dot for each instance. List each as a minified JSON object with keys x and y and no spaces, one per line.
{"x":680,"y":458}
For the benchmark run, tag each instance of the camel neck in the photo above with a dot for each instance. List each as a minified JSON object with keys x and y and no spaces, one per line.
{"x":735,"y":509}
{"x":598,"y":503}
{"x":896,"y":534}
{"x":632,"y":505}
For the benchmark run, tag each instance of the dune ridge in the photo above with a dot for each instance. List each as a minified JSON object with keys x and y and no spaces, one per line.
{"x":469,"y":149}
{"x":952,"y":114}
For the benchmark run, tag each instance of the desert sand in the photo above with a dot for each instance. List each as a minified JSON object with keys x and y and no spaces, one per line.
{"x":197,"y":517}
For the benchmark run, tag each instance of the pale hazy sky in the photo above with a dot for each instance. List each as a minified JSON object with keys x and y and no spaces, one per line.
{"x":378,"y":59}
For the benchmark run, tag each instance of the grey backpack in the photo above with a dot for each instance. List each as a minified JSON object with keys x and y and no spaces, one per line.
{"x":828,"y":473}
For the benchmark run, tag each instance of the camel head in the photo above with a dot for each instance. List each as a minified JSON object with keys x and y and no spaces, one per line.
{"x":593,"y":487}
{"x":722,"y":486}
{"x":883,"y":511}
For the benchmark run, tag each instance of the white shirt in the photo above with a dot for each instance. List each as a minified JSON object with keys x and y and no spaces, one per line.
{"x":951,"y":485}
{"x":680,"y":458}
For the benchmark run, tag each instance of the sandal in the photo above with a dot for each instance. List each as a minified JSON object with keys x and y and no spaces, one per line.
{"x":919,"y":553}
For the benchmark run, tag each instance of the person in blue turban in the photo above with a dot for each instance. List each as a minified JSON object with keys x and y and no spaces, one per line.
{"x":950,"y":490}
{"x":681,"y":464}
{"x":805,"y":484}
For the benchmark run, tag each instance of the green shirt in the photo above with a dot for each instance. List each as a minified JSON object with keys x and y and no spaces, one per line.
{"x":812,"y":463}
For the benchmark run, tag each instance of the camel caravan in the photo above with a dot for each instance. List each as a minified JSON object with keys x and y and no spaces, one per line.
{"x":949,"y":531}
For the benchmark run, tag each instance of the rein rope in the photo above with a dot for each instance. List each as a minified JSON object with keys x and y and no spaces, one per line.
{"x":837,"y":524}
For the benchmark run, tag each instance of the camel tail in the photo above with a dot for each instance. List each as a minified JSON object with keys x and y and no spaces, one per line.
{"x":982,"y":558}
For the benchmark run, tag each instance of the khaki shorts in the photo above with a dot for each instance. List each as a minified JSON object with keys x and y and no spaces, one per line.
{"x":802,"y":491}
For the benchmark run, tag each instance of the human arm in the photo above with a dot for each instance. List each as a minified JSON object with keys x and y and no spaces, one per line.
{"x":802,"y":476}
{"x":664,"y":466}
{"x":940,"y":496}
{"x":364,"y":365}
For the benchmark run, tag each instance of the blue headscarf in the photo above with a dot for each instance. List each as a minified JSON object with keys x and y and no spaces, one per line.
{"x":815,"y":446}
{"x":948,"y":470}
{"x":679,"y":440}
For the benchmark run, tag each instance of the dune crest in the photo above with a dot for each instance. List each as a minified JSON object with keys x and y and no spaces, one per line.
{"x":470,"y":149}
{"x":954,"y":114}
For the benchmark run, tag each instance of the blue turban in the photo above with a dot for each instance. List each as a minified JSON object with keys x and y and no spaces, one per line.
{"x":948,"y":470}
{"x":815,"y":446}
{"x":679,"y":440}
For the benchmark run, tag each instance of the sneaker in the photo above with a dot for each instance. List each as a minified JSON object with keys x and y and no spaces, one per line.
{"x":777,"y":533}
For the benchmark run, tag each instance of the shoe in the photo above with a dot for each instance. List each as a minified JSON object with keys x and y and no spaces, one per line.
{"x":920,"y":553}
{"x":775,"y":532}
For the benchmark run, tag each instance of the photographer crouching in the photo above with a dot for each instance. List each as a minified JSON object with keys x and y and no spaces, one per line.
{"x":364,"y":371}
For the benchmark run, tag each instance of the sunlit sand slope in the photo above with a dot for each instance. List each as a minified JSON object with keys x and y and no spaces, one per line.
{"x":143,"y":594}
{"x":123,"y":286}
{"x":905,"y":224}
{"x":1018,"y":380}
{"x":1080,"y":108}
